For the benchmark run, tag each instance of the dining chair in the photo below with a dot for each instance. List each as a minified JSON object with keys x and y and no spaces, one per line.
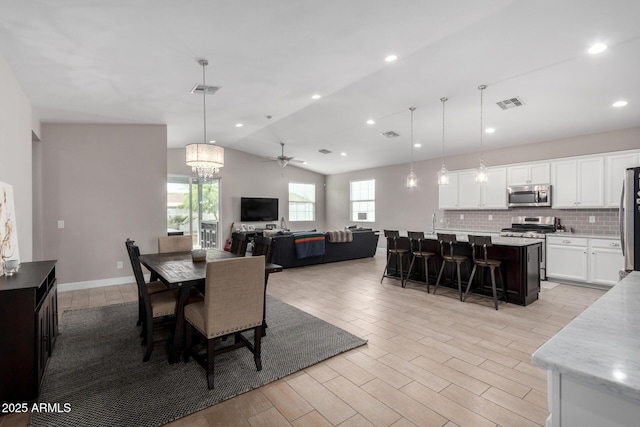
{"x":159,"y":307}
{"x":239,"y":243}
{"x":153,"y":286}
{"x":450,"y":256}
{"x":167,"y":244}
{"x":233,"y":303}
{"x":264,"y":246}
{"x":479,"y":251}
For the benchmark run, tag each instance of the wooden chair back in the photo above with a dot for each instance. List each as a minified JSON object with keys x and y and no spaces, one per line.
{"x":479,"y":245}
{"x":416,"y":238}
{"x":239,"y":243}
{"x":168,"y":244}
{"x":447,"y":241}
{"x":391,"y":233}
{"x":263,"y":246}
{"x":134,"y":254}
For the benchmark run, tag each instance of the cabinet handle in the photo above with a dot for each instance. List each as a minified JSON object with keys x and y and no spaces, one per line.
{"x":566,"y":241}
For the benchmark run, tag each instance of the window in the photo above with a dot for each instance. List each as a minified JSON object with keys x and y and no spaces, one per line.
{"x":363,"y":201}
{"x":302,"y":202}
{"x":192,"y":208}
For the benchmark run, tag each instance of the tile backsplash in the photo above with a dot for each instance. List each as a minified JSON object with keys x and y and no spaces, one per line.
{"x":606,"y":220}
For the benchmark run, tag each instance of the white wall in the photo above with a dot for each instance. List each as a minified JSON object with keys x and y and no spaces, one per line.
{"x":107,"y":183}
{"x":15,"y":154}
{"x":246,"y":175}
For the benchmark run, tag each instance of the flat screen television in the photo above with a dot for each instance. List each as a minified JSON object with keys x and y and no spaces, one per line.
{"x":258,"y":209}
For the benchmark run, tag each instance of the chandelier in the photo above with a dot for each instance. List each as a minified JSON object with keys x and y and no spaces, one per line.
{"x":204,"y":158}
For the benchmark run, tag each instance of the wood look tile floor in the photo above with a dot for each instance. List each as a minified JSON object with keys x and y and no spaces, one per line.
{"x":430,"y":360}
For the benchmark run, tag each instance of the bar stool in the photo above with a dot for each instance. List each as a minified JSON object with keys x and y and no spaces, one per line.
{"x":448,"y":241}
{"x":479,"y":245}
{"x":417,"y":239}
{"x":393,"y":249}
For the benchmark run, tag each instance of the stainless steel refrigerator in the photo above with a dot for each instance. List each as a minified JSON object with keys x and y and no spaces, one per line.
{"x":630,"y":220}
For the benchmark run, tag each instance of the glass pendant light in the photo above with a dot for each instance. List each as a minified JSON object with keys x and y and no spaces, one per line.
{"x":412,"y":179}
{"x":481,"y":172}
{"x":443,"y":173}
{"x":204,"y":158}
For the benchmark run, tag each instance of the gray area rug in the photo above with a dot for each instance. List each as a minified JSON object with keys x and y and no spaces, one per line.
{"x":97,"y":367}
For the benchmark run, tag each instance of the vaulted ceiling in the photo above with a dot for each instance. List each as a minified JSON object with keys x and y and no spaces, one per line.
{"x":113,"y":61}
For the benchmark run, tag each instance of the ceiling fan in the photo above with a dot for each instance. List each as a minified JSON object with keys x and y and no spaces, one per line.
{"x":284,"y":160}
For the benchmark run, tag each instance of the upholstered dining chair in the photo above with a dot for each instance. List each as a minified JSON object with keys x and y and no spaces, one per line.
{"x":239,"y":243}
{"x":153,"y":286}
{"x":264,"y":246}
{"x":167,"y":244}
{"x":159,"y":308}
{"x":233,"y":303}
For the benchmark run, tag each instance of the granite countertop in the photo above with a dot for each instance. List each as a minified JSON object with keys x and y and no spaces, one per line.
{"x":602,"y":345}
{"x":504,"y":241}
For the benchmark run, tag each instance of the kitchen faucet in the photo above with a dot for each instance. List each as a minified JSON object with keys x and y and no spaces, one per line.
{"x":433,"y":223}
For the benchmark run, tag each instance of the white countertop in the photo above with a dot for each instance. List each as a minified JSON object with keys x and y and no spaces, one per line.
{"x":504,"y":241}
{"x":602,"y":345}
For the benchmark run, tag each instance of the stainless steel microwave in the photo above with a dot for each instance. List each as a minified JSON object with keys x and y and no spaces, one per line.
{"x":529,"y":195}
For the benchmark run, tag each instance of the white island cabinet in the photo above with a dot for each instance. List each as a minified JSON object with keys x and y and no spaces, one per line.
{"x":594,"y":363}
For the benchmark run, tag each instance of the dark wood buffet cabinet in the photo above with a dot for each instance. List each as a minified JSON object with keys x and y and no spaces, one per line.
{"x":28,"y":329}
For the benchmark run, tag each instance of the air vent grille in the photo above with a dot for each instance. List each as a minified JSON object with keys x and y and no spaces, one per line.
{"x":510,"y":103}
{"x":208,"y":90}
{"x":324,"y":151}
{"x":390,"y":134}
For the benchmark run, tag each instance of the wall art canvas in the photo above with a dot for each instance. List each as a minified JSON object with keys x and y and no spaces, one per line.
{"x":8,"y":230}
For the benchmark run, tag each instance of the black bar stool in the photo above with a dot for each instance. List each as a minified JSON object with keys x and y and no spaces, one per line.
{"x":394,"y":249}
{"x":479,"y":245}
{"x":417,"y":239}
{"x":447,"y":243}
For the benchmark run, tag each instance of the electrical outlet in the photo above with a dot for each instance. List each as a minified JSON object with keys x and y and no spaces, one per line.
{"x":60,"y":223}
{"x":490,"y":217}
{"x":461,"y":216}
{"x":592,"y":219}
{"x":119,"y":265}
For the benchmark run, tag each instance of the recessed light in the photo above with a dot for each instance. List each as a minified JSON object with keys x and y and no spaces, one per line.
{"x":597,"y":48}
{"x":390,"y":58}
{"x":213,"y":141}
{"x":316,"y":96}
{"x":371,"y":122}
{"x":343,"y":154}
{"x":619,"y":104}
{"x":417,"y":145}
{"x":239,"y":125}
{"x":304,"y":163}
{"x":489,"y":130}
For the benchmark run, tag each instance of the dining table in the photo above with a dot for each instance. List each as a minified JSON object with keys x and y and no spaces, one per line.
{"x":179,"y":270}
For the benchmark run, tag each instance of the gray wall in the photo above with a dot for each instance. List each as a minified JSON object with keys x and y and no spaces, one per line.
{"x":107,"y":182}
{"x":246,"y":175}
{"x":15,"y":155}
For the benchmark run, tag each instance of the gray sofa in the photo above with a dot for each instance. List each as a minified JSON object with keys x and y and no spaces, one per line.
{"x":363,"y":245}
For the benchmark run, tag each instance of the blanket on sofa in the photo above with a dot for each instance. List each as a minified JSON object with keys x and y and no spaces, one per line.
{"x":308,"y":244}
{"x":339,"y":236}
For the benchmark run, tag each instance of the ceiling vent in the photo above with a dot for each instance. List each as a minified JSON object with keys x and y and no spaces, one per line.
{"x":207,"y":90}
{"x":324,"y":151}
{"x":390,"y":134}
{"x":510,"y":103}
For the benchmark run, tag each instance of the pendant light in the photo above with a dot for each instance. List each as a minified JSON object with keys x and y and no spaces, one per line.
{"x":412,"y":179}
{"x":443,"y":173}
{"x":481,"y":172}
{"x":205,"y":159}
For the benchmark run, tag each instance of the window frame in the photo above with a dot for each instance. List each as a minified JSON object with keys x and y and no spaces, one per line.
{"x":371,"y":213}
{"x":290,"y":202}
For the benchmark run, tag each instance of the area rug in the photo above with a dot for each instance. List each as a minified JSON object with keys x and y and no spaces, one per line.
{"x":96,"y":375}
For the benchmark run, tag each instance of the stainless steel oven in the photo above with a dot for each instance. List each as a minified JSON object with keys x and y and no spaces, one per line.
{"x":529,"y":195}
{"x":535,"y":227}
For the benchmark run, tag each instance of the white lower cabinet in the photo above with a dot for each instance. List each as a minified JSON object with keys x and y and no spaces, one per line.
{"x":567,"y":258}
{"x":589,"y":260}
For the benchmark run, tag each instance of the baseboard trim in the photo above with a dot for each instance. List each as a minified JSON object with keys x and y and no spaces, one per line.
{"x":77,"y":286}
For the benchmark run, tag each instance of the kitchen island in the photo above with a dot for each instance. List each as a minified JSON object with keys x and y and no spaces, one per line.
{"x":520,"y":264}
{"x":594,"y":362}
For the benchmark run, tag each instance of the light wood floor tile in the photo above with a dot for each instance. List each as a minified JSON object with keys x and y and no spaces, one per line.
{"x":527,"y":410}
{"x":452,"y":375}
{"x":490,"y":378}
{"x":325,"y":402}
{"x":483,"y":352}
{"x":380,"y":370}
{"x":224,"y":414}
{"x":512,"y":374}
{"x":414,"y":372}
{"x":269,"y":418}
{"x":419,"y":349}
{"x":350,"y":370}
{"x":357,"y":421}
{"x":406,"y":406}
{"x":321,"y":372}
{"x":403,"y":422}
{"x":312,"y":419}
{"x":364,"y":403}
{"x":290,"y":404}
{"x":537,"y":398}
{"x":453,"y":351}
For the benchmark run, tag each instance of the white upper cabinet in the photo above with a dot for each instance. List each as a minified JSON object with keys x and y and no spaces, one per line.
{"x":616,"y":165}
{"x":448,"y":194}
{"x":578,"y":183}
{"x":489,"y":195}
{"x":534,"y":173}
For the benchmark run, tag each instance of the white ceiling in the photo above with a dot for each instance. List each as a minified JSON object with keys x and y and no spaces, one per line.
{"x":115,"y":61}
